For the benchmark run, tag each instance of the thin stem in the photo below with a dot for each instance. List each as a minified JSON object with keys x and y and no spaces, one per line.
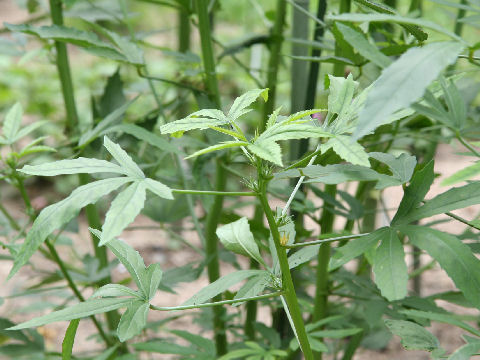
{"x":74,"y":288}
{"x":13,"y":223}
{"x":217,"y":303}
{"x":322,"y":241}
{"x":221,"y":193}
{"x":251,"y":311}
{"x":276,"y":41}
{"x":290,"y":296}
{"x":467,"y":145}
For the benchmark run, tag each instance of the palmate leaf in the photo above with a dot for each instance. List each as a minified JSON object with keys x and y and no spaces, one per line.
{"x":54,"y":216}
{"x":245,"y":100}
{"x":124,"y":209}
{"x":403,"y":82}
{"x":11,"y":124}
{"x":78,"y":311}
{"x":201,"y":120}
{"x":402,"y":167}
{"x":454,"y":257}
{"x":267,"y":150}
{"x":133,"y":320}
{"x":389,"y":267}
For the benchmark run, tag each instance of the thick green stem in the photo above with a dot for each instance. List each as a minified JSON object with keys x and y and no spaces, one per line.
{"x":213,"y":267}
{"x":211,"y":245}
{"x":287,"y":284}
{"x":63,"y":68}
{"x":276,"y":41}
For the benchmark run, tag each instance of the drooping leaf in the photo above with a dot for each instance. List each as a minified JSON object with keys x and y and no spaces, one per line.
{"x":414,"y":336}
{"x":75,"y":166}
{"x":238,"y":238}
{"x":133,"y":320}
{"x":68,"y":340}
{"x":245,"y":100}
{"x":363,"y":46}
{"x":115,"y":290}
{"x":348,"y":149}
{"x":54,"y":216}
{"x":123,"y":159}
{"x":403,"y":82}
{"x":357,"y":247}
{"x":78,"y":311}
{"x":158,"y":188}
{"x":389,"y":267}
{"x":454,"y":257}
{"x":220,"y":285}
{"x":455,"y":198}
{"x":124,"y":209}
{"x":415,"y":192}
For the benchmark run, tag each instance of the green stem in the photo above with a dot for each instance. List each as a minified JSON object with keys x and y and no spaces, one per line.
{"x":251,"y":311}
{"x":13,"y":223}
{"x":287,"y":284}
{"x":221,"y":193}
{"x":217,"y":303}
{"x":74,"y":288}
{"x":213,"y":267}
{"x":63,"y":68}
{"x":467,"y":145}
{"x":276,"y":41}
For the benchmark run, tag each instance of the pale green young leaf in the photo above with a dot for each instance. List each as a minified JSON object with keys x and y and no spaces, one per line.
{"x":158,"y":188}
{"x":24,"y":131}
{"x":289,"y":131}
{"x":341,"y":94}
{"x":245,"y":100}
{"x":348,"y":149}
{"x":12,"y":122}
{"x":415,"y":192}
{"x":403,"y":82}
{"x":222,"y":145}
{"x":54,"y":216}
{"x":35,"y":150}
{"x":131,"y":259}
{"x":455,"y":198}
{"x":302,"y":114}
{"x":340,"y":173}
{"x":78,"y":311}
{"x":200,"y":120}
{"x":123,"y":159}
{"x":144,"y":135}
{"x":253,"y":287}
{"x":402,"y":167}
{"x":68,"y":340}
{"x":457,"y":109}
{"x":267,"y":150}
{"x":75,"y":166}
{"x":105,"y":125}
{"x":124,"y":209}
{"x":357,"y":247}
{"x":389,"y":267}
{"x":220,"y":285}
{"x":463,"y":175}
{"x":238,"y":238}
{"x":414,"y":336}
{"x":363,"y":46}
{"x":133,"y":320}
{"x":115,"y":290}
{"x":234,"y":134}
{"x":454,"y":257}
{"x":151,"y":278}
